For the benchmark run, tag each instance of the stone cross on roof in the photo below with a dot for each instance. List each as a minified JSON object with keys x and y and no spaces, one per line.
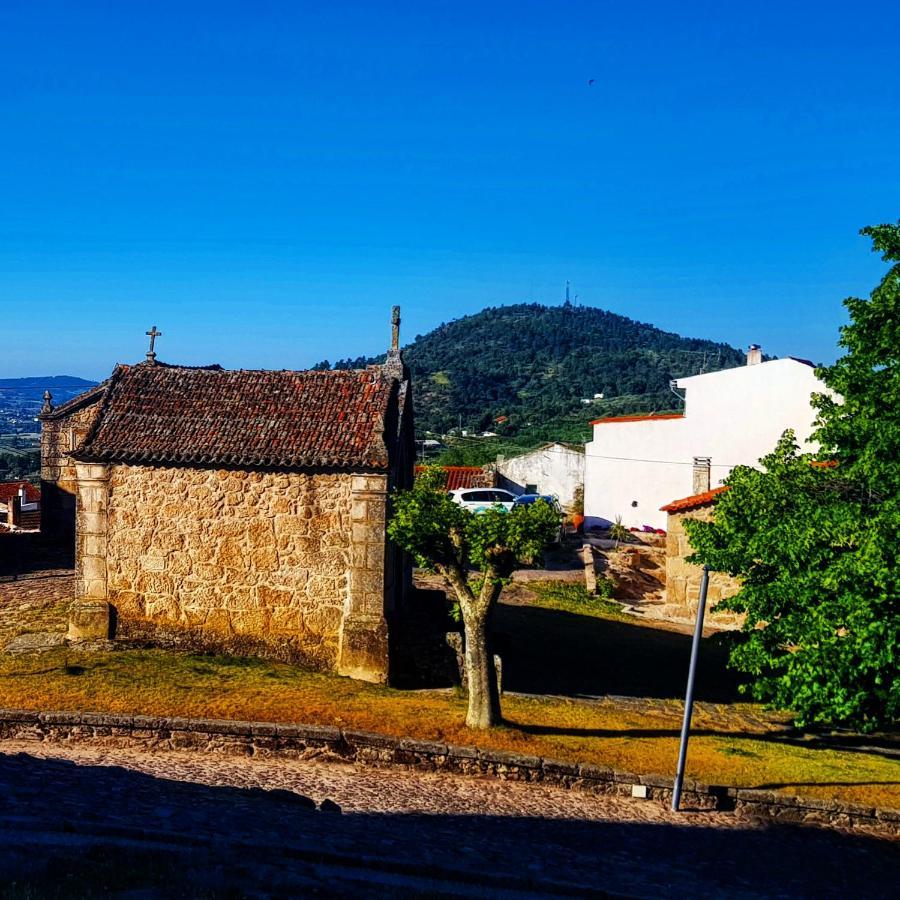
{"x":153,"y":334}
{"x":395,"y":328}
{"x":393,"y":364}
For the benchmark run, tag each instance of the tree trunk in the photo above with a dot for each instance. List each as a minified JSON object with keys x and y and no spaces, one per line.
{"x":484,"y":696}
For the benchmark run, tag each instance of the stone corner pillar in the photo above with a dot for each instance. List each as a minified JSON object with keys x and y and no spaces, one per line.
{"x":363,"y":644}
{"x":90,"y":617}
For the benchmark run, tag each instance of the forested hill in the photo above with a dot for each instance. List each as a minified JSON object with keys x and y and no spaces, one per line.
{"x":535,"y":364}
{"x":63,"y":387}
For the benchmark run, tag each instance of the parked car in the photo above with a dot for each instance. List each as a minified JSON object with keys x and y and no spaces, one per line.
{"x":480,"y":499}
{"x":528,"y":499}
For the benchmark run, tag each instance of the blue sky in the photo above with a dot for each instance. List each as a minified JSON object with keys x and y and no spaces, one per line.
{"x":263,"y":180}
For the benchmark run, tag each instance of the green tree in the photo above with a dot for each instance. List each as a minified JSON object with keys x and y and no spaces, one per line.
{"x":814,"y":538}
{"x":453,"y":541}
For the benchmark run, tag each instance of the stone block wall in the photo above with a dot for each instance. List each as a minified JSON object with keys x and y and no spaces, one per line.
{"x":59,"y":437}
{"x":683,"y":579}
{"x":234,"y":560}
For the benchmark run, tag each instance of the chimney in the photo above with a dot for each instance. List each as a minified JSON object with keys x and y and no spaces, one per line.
{"x":14,"y":514}
{"x":701,"y":474}
{"x":754,"y":355}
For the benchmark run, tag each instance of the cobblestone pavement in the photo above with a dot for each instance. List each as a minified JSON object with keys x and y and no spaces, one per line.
{"x":34,"y":602}
{"x":85,"y":821}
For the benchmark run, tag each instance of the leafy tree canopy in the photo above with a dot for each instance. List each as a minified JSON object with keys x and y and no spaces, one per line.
{"x":814,"y":537}
{"x":451,"y":540}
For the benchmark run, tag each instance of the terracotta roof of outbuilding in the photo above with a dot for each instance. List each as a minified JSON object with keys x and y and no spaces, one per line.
{"x":644,"y":417}
{"x":9,"y":489}
{"x":460,"y":477}
{"x":178,"y":415}
{"x":695,"y":501}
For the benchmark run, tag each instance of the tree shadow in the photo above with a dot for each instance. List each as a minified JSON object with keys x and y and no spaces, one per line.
{"x":89,"y":831}
{"x":777,"y":785}
{"x":547,"y":651}
{"x":887,"y":748}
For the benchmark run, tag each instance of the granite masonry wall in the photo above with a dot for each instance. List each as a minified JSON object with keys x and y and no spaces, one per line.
{"x":683,"y":578}
{"x":277,"y":563}
{"x":59,"y":437}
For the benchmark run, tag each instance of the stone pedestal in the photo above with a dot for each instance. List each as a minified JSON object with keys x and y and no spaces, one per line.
{"x":90,"y":620}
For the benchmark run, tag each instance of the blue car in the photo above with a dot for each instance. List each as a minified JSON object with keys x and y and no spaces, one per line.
{"x":528,"y":499}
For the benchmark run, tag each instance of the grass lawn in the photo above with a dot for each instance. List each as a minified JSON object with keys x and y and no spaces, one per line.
{"x":732,"y":744}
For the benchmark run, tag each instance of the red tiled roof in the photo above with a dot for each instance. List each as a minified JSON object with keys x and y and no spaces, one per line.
{"x":649,"y":417}
{"x":9,"y":489}
{"x":694,"y":502}
{"x":461,"y":477}
{"x":698,"y":500}
{"x":171,"y":414}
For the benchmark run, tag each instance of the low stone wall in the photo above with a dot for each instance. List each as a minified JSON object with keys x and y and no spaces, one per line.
{"x":683,"y":579}
{"x":267,"y":739}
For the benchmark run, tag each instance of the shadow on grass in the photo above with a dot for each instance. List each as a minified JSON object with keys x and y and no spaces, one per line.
{"x":886,"y":749}
{"x":89,"y":831}
{"x":547,"y":651}
{"x":777,"y":785}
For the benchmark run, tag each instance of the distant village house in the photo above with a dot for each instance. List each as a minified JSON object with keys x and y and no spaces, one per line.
{"x":636,"y":464}
{"x":20,"y":506}
{"x":556,"y":468}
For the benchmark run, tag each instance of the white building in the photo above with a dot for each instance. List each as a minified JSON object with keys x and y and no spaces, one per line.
{"x":555,"y":468}
{"x":636,"y":464}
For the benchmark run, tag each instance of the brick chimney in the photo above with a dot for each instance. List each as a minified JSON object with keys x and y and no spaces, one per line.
{"x":701,"y":474}
{"x":754,"y":355}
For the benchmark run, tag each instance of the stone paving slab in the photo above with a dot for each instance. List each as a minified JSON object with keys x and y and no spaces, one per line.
{"x":232,"y":823}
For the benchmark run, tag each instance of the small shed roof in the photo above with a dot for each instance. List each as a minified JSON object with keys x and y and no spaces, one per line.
{"x":644,"y":417}
{"x":461,"y":477}
{"x":695,"y":501}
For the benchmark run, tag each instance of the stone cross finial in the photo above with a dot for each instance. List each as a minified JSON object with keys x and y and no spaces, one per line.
{"x":48,"y":402}
{"x":395,"y":328}
{"x":153,"y":334}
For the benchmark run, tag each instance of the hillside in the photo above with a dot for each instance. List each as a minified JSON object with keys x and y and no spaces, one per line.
{"x":535,"y":364}
{"x":21,"y":399}
{"x":63,"y":387}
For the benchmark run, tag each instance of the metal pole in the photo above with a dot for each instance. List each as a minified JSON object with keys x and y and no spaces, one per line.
{"x":689,"y":696}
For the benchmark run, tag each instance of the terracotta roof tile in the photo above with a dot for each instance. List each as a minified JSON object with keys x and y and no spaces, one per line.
{"x":169,"y":414}
{"x":648,"y":417}
{"x":9,"y":489}
{"x":694,"y":502}
{"x":461,"y":477}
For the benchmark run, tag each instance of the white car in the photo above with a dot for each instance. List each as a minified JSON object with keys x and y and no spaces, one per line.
{"x":480,"y":499}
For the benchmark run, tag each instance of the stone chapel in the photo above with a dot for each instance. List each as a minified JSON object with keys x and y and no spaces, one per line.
{"x":238,"y":511}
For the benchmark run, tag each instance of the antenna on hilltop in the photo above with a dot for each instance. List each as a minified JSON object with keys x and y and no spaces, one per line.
{"x":570,"y":300}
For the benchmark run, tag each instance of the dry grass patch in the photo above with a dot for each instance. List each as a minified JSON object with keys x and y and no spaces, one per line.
{"x":734,"y":744}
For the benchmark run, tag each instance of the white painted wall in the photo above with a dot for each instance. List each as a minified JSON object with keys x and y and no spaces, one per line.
{"x":734,"y":416}
{"x":555,"y":469}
